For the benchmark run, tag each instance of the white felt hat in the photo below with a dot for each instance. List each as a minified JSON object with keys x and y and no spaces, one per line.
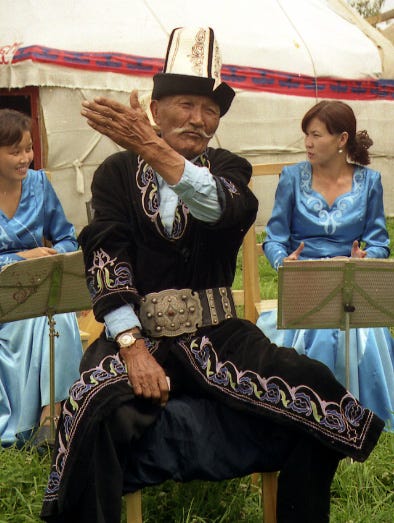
{"x":192,"y":66}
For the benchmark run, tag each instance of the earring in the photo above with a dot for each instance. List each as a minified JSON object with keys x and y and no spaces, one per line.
{"x":340,"y":151}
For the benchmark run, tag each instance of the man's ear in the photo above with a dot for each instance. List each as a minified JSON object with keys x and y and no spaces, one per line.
{"x":155,"y":112}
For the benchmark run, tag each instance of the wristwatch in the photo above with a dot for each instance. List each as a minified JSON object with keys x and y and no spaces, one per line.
{"x":127,"y":339}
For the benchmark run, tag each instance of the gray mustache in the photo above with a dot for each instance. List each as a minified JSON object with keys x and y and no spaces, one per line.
{"x":200,"y":132}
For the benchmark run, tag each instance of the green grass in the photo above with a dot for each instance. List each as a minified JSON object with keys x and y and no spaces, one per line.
{"x":23,"y":475}
{"x":361,"y":492}
{"x":364,"y":492}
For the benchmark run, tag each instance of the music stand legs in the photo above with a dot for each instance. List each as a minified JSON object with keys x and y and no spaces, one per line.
{"x":347,"y":348}
{"x":348,"y":308}
{"x":52,"y":414}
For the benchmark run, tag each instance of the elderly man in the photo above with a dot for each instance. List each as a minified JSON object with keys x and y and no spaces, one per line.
{"x":174,"y":360}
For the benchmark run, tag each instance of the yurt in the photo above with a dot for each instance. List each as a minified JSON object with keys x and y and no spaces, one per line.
{"x":281,"y":56}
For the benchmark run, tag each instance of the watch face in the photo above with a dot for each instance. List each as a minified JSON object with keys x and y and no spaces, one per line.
{"x":126,"y":339}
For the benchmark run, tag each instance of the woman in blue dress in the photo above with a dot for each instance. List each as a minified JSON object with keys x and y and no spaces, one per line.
{"x":29,"y":212}
{"x":328,"y":206}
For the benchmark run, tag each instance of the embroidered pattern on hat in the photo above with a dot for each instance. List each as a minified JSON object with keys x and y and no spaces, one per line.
{"x":197,"y":56}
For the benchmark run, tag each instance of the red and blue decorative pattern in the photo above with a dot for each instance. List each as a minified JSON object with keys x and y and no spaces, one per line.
{"x":105,"y":62}
{"x":247,"y":78}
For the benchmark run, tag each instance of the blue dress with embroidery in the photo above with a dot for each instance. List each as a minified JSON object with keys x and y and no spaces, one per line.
{"x":302,"y":214}
{"x":24,"y":344}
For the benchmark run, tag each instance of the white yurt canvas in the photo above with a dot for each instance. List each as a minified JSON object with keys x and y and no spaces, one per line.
{"x":281,"y":56}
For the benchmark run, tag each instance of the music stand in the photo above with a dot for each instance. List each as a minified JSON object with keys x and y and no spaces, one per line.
{"x":44,"y":287}
{"x":340,"y":293}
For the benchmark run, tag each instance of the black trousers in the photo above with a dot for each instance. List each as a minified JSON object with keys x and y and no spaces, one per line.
{"x":306,"y":472}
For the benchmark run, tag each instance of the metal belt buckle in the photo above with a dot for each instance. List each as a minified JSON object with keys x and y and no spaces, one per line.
{"x":171,"y":312}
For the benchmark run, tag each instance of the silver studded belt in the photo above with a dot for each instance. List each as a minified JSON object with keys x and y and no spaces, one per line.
{"x":173,"y":312}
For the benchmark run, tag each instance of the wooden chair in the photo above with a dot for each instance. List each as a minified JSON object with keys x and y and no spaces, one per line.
{"x":90,"y":327}
{"x":250,"y":298}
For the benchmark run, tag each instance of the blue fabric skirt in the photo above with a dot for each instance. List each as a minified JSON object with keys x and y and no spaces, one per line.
{"x":371,"y":361}
{"x":24,"y":370}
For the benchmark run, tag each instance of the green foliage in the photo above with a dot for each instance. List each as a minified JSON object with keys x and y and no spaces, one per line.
{"x":390,"y":229}
{"x":367,"y":7}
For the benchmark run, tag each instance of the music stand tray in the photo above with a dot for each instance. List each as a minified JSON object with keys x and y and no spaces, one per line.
{"x":44,"y":287}
{"x":339,"y":293}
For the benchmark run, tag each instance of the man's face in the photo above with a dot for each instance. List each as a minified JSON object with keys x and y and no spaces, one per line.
{"x":186,"y":122}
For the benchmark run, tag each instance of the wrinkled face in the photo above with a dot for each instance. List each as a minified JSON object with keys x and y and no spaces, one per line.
{"x":15,"y":159}
{"x":186,"y":122}
{"x":321,"y":146}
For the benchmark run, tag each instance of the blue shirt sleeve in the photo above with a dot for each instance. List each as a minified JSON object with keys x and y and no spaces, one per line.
{"x":198,"y":189}
{"x":121,"y":319}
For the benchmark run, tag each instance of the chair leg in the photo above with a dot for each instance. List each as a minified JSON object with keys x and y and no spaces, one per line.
{"x":270,"y":491}
{"x":134,"y":507}
{"x":255,"y":480}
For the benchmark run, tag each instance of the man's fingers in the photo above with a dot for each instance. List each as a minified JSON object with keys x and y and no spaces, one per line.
{"x":164,"y":390}
{"x":101,"y":109}
{"x":137,"y":389}
{"x":99,"y":127}
{"x":112,"y":109}
{"x":134,"y":102}
{"x":107,"y":106}
{"x":146,"y":376}
{"x":93,"y":117}
{"x":155,"y":390}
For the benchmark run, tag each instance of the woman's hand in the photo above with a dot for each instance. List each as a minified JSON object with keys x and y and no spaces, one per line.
{"x":356,"y":251}
{"x":37,"y":252}
{"x":295,"y":255}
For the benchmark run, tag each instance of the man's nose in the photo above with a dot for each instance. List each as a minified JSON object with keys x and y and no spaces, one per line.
{"x":196,"y":116}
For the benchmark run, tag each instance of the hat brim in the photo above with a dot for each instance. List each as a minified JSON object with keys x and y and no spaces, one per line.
{"x":170,"y":84}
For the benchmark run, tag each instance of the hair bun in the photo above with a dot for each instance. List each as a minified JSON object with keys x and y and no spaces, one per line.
{"x":362,"y":137}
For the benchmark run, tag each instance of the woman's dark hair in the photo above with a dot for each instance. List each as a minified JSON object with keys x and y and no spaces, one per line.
{"x":339,"y":117}
{"x":12,"y":126}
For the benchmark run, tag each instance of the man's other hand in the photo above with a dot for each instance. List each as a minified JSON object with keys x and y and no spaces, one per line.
{"x":146,"y":376}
